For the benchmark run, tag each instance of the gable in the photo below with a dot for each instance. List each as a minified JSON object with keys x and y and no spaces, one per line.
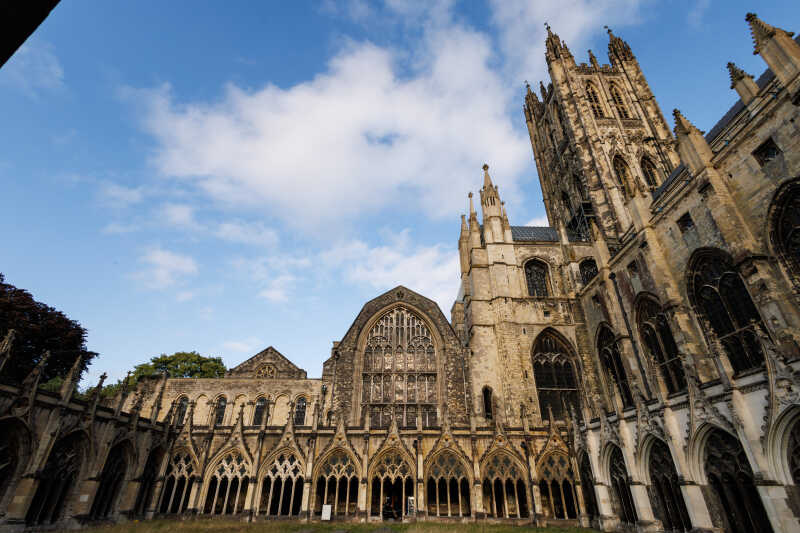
{"x":268,"y":364}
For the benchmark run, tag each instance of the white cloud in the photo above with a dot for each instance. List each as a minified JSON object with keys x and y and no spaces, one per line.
{"x":184,"y":296}
{"x":117,"y":196}
{"x":278,"y":288}
{"x":538,"y":221}
{"x":119,"y":228}
{"x":696,"y":13}
{"x":253,"y":233}
{"x":180,"y":215}
{"x":32,"y":68}
{"x":248,"y":345}
{"x":275,"y":275}
{"x":165,"y":268}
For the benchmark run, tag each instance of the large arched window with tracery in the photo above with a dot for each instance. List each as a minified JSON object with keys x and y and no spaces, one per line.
{"x":611,"y":359}
{"x":660,"y":344}
{"x":57,"y":480}
{"x":619,"y":103}
{"x":721,"y":299}
{"x":400,"y":376}
{"x":588,"y":268}
{"x":649,"y":172}
{"x":504,"y":491}
{"x":622,"y":174}
{"x":557,"y":487}
{"x":337,"y":485}
{"x":621,"y":490}
{"x":391,"y":483}
{"x":555,"y":376}
{"x":665,"y":490}
{"x":447,"y":487}
{"x":786,"y":228}
{"x":227,"y":487}
{"x":111,"y":480}
{"x":536,"y":278}
{"x":594,"y":101}
{"x":147,"y":482}
{"x":178,"y":481}
{"x":281,"y":490}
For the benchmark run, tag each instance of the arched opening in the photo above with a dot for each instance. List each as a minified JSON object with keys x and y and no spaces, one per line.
{"x":588,"y":268}
{"x":504,"y":492}
{"x":611,"y":359}
{"x":300,"y":412}
{"x":178,"y":481}
{"x":111,"y":479}
{"x":391,"y":486}
{"x":488,"y":406}
{"x":725,"y":307}
{"x":619,"y":103}
{"x":587,"y":486}
{"x":259,"y":411}
{"x":660,"y":344}
{"x":147,"y":482}
{"x":227,"y":486}
{"x":180,"y":410}
{"x":732,"y":483}
{"x":219,"y":411}
{"x":57,"y":480}
{"x":649,"y":172}
{"x":14,"y":456}
{"x":557,"y":487}
{"x":594,"y":100}
{"x":623,"y":175}
{"x":793,"y":452}
{"x":620,"y":485}
{"x":665,"y":490}
{"x":337,"y":486}
{"x":554,"y":374}
{"x":785,"y":228}
{"x":536,"y":278}
{"x":448,"y":473}
{"x":282,"y":487}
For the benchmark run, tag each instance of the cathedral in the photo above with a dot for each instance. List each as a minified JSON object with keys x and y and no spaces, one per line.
{"x":634,"y":366}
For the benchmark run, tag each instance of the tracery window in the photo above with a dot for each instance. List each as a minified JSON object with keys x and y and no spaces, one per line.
{"x":147,"y":482}
{"x":400,"y":376}
{"x":619,"y":103}
{"x":731,"y":480}
{"x":794,"y":453}
{"x":447,"y":487}
{"x":722,"y":300}
{"x":623,"y":499}
{"x":588,"y":268}
{"x":300,"y":412}
{"x":282,"y":487}
{"x":622,"y":174}
{"x":111,"y":480}
{"x":56,"y":481}
{"x":665,"y":493}
{"x":611,"y":359}
{"x":557,"y":487}
{"x":536,"y":276}
{"x":11,"y":455}
{"x":660,"y":344}
{"x":227,"y":487}
{"x":649,"y":172}
{"x":259,"y":411}
{"x":504,"y":492}
{"x":594,"y":100}
{"x":180,"y":410}
{"x":391,"y":485}
{"x":337,"y":485}
{"x":786,"y":229}
{"x":488,"y":406}
{"x":219,"y":410}
{"x":179,"y":479}
{"x":554,"y":376}
{"x":587,"y":486}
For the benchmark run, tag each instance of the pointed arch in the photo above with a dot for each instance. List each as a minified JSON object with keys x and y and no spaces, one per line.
{"x":337,"y":476}
{"x":619,"y":102}
{"x":182,"y":473}
{"x":784,"y":228}
{"x":783,"y":446}
{"x":537,"y":278}
{"x":446,"y":469}
{"x":505,"y":492}
{"x":147,"y":481}
{"x":588,"y":270}
{"x":281,"y":483}
{"x":226,"y":483}
{"x":657,"y":339}
{"x":658,"y":471}
{"x":555,"y":373}
{"x":594,"y":100}
{"x":557,"y":485}
{"x":619,"y":479}
{"x":587,"y":485}
{"x":622,"y":174}
{"x":390,"y":479}
{"x":610,"y":357}
{"x":15,"y":454}
{"x":649,"y":171}
{"x":116,"y":468}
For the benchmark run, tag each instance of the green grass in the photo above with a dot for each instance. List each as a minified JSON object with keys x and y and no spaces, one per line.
{"x":222,"y":526}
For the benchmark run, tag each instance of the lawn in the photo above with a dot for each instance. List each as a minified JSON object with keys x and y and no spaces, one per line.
{"x":221,"y":526}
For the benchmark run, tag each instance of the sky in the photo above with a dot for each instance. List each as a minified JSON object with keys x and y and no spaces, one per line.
{"x":226,"y":177}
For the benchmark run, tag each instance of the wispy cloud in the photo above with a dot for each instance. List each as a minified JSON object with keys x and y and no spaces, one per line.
{"x":698,"y":10}
{"x":249,"y":345}
{"x":164,"y":268}
{"x":118,"y":196}
{"x":538,"y":221}
{"x":33,"y":68}
{"x":253,"y":233}
{"x":119,"y":228}
{"x":180,"y":215}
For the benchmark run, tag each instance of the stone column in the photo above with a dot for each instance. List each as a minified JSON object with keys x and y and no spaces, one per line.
{"x":82,"y":498}
{"x":608,"y":519}
{"x":23,"y":494}
{"x":696,"y":506}
{"x":151,"y":507}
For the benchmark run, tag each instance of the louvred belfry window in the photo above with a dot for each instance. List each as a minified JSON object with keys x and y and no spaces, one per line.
{"x":594,"y":100}
{"x":619,"y":103}
{"x":650,"y":173}
{"x":400,"y":377}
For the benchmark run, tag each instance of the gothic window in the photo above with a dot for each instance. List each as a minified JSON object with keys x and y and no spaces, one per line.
{"x":448,"y":487}
{"x":147,"y":482}
{"x":56,"y":481}
{"x":594,"y":100}
{"x":282,"y":487}
{"x":731,"y":481}
{"x":110,"y":484}
{"x":504,"y":490}
{"x":180,"y":411}
{"x":300,"y":412}
{"x":178,"y":482}
{"x":219,"y":411}
{"x":619,"y":103}
{"x":557,"y":487}
{"x":660,"y":344}
{"x":536,"y":276}
{"x":622,"y":174}
{"x":620,"y":485}
{"x":337,"y":485}
{"x":487,"y":403}
{"x":611,"y":359}
{"x":554,"y":376}
{"x":649,"y":171}
{"x":786,"y":229}
{"x":587,"y":486}
{"x":404,"y":378}
{"x":725,"y":307}
{"x":588,"y":268}
{"x":392,"y":482}
{"x":665,"y":490}
{"x":227,"y":487}
{"x":259,"y":411}
{"x":794,"y":453}
{"x":13,"y":455}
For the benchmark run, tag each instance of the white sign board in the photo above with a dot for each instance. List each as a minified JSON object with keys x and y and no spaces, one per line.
{"x":411,"y":510}
{"x":326,"y":512}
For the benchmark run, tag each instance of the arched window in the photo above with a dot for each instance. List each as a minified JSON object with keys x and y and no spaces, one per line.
{"x":487,"y":403}
{"x":554,"y":376}
{"x":300,"y":412}
{"x":448,"y":487}
{"x":588,"y":268}
{"x":219,"y":411}
{"x":721,"y":299}
{"x":178,"y":481}
{"x":594,"y":100}
{"x":259,"y":411}
{"x":227,"y":488}
{"x":660,"y":344}
{"x":180,"y":411}
{"x":622,"y":174}
{"x":649,"y":172}
{"x":731,"y":481}
{"x":794,"y":453}
{"x":282,"y":487}
{"x":337,"y":485}
{"x":57,"y":480}
{"x":391,"y":484}
{"x":611,"y":359}
{"x":619,"y":103}
{"x":504,"y":490}
{"x":557,"y":487}
{"x":402,"y":381}
{"x":110,"y":485}
{"x":623,"y":500}
{"x":536,"y":276}
{"x":15,"y":450}
{"x":147,"y":482}
{"x":587,"y":486}
{"x":665,"y":493}
{"x":786,"y":228}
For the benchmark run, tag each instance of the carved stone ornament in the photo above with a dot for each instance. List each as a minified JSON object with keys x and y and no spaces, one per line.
{"x":646,"y":423}
{"x":701,"y":410}
{"x":783,"y":380}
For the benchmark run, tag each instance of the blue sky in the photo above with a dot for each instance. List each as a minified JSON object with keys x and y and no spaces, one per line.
{"x":177,"y":176}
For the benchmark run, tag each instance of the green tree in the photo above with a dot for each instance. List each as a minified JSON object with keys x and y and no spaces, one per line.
{"x":178,"y":365}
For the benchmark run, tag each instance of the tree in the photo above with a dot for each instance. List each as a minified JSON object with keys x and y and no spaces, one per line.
{"x":178,"y":365}
{"x":39,"y":328}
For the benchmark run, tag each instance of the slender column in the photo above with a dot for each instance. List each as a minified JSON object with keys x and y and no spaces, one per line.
{"x":172,"y":494}
{"x":236,"y":500}
{"x":505,"y":501}
{"x":460,"y":512}
{"x":216,"y":494}
{"x":403,"y":501}
{"x":347,"y":498}
{"x":227,"y":495}
{"x":563,"y":500}
{"x":336,"y":498}
{"x":380,"y":502}
{"x":447,"y":494}
{"x":269,"y":500}
{"x":437,"y":498}
{"x":494,"y":500}
{"x":325,"y":494}
{"x":185,"y":494}
{"x":291,"y":500}
{"x":516,"y":499}
{"x":280,"y":499}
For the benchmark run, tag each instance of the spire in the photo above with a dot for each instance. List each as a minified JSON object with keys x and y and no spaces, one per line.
{"x":71,"y":379}
{"x":487,"y":181}
{"x":472,"y":212}
{"x":593,"y":60}
{"x":617,"y":48}
{"x":761,"y":31}
{"x":542,"y":90}
{"x":682,"y":124}
{"x":464,"y":230}
{"x":743,"y":83}
{"x":736,"y":73}
{"x":777,"y":48}
{"x":552,"y":44}
{"x":693,"y":149}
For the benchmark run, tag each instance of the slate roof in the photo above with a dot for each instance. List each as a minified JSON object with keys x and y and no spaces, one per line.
{"x":534,"y":233}
{"x":668,"y":182}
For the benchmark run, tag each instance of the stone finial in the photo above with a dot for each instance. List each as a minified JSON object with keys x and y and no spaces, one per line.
{"x":542,"y":90}
{"x":593,"y":59}
{"x":743,"y":83}
{"x":760,"y":30}
{"x":736,"y":73}
{"x":618,"y":48}
{"x":682,"y":124}
{"x":487,"y":181}
{"x":71,"y":379}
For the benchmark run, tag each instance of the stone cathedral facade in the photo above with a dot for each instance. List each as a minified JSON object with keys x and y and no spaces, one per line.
{"x":634,"y":366}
